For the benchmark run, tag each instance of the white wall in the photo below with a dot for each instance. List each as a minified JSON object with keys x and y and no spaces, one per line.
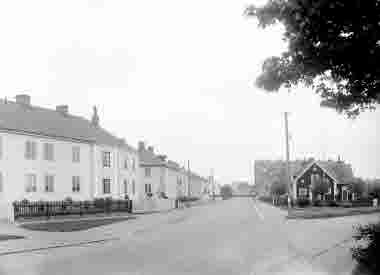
{"x":117,"y":173}
{"x":128,"y":174}
{"x":14,"y":168}
{"x":154,"y":179}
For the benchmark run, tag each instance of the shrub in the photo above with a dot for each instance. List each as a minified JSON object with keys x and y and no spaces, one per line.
{"x":86,"y":204}
{"x":303,"y":202}
{"x":332,"y":203}
{"x":368,"y":254}
{"x":99,"y":202}
{"x":345,"y":204}
{"x":68,"y":200}
{"x":187,"y":199}
{"x":24,"y":201}
{"x":325,"y":203}
{"x":267,"y":199}
{"x":362,"y":202}
{"x":283,"y":200}
{"x":108,"y":204}
{"x":226,"y":191}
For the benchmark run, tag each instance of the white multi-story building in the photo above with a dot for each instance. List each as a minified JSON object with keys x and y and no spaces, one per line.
{"x":160,"y":176}
{"x":50,"y":154}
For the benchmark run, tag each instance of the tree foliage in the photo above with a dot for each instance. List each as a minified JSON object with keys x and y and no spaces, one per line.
{"x":374,"y":189}
{"x":334,"y":47}
{"x":226,"y":191}
{"x":368,"y":252}
{"x":277,"y":189}
{"x":357,"y":186}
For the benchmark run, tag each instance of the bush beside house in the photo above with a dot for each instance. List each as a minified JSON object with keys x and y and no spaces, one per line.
{"x":368,"y":254}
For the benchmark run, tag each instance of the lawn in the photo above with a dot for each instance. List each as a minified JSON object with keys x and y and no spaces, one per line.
{"x":69,"y":226}
{"x":9,"y":237}
{"x":329,"y":212}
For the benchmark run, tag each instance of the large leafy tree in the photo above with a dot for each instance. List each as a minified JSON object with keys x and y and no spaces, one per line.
{"x":278,"y":188}
{"x":334,"y":47}
{"x":357,"y":186}
{"x":226,"y":191}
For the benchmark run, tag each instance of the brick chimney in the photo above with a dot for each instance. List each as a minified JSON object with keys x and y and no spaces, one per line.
{"x":141,"y":146}
{"x":162,"y":157}
{"x":95,"y":117}
{"x":23,"y":99}
{"x":63,"y":109}
{"x":122,"y":141}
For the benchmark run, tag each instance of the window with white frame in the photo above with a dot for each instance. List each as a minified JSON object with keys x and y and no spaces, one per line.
{"x":302,"y":192}
{"x":48,"y":151}
{"x":106,"y":186}
{"x":49,"y":183}
{"x":30,"y":150}
{"x":148,"y":172}
{"x":126,"y":163}
{"x":148,"y":188}
{"x":106,"y":159}
{"x":30,"y":183}
{"x":75,"y":184}
{"x":133,"y":187}
{"x":125,"y":185}
{"x":76,"y":154}
{"x":133,"y":164}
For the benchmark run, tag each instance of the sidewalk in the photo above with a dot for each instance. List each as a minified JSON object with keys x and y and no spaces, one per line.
{"x":41,"y":240}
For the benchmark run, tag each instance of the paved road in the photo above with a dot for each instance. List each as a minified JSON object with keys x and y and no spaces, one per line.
{"x":237,"y":236}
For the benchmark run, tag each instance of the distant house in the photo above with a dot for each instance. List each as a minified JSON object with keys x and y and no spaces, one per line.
{"x":304,"y":173}
{"x":166,"y":179}
{"x":241,"y":187}
{"x":337,"y":175}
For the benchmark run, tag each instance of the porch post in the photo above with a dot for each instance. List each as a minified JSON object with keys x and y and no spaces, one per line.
{"x":310,"y":195}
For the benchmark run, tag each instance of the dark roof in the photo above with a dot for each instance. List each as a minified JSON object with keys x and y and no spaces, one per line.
{"x":268,"y":171}
{"x":148,"y":158}
{"x":42,"y":121}
{"x":339,"y":170}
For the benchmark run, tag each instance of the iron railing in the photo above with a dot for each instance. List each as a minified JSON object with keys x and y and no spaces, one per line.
{"x":58,"y":208}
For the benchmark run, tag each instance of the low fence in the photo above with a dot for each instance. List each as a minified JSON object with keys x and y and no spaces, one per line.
{"x":59,"y":208}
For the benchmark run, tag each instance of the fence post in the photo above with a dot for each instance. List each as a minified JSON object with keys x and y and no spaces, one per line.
{"x":47,"y":210}
{"x":80,"y":209}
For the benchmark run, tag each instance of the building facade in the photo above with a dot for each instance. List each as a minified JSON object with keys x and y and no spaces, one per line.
{"x":304,"y":175}
{"x":50,"y":154}
{"x":166,"y":178}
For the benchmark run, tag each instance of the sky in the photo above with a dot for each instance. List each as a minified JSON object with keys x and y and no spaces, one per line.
{"x":178,"y":75}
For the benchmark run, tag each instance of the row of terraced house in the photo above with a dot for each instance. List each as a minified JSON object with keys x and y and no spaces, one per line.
{"x":51,"y":154}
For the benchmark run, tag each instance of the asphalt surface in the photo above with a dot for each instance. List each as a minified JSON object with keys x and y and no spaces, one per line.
{"x":237,"y":236}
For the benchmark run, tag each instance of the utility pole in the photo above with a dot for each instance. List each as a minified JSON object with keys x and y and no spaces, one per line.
{"x":212,"y":183}
{"x":188,"y":178}
{"x":287,"y":160}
